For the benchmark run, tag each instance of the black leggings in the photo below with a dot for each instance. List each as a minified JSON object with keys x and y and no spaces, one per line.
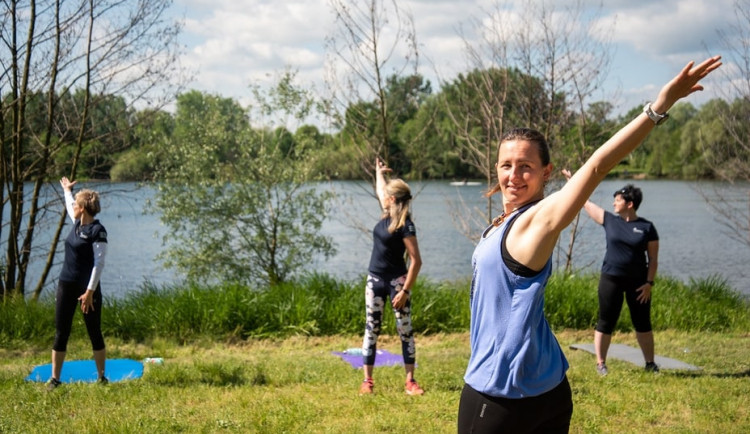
{"x":612,"y":290}
{"x":66,"y":304}
{"x":549,"y":412}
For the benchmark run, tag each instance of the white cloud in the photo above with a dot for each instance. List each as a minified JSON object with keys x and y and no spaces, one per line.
{"x":233,"y":43}
{"x":672,"y":28}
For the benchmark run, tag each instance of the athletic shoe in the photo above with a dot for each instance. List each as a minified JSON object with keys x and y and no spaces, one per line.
{"x":102,"y":380}
{"x":53,"y":383}
{"x":366,"y":387}
{"x":412,"y":388}
{"x":601,"y":369}
{"x":652,"y":367}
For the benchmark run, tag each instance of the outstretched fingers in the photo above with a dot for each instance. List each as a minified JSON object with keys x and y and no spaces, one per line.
{"x":707,"y":66}
{"x":701,"y":71}
{"x":380,"y":165}
{"x":687,"y":81}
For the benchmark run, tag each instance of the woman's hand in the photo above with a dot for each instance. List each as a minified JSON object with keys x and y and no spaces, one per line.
{"x":380,"y":183}
{"x":87,"y":301}
{"x":67,"y":184}
{"x":399,"y":301}
{"x":644,"y":293}
{"x":380,"y":166}
{"x":685,"y":83}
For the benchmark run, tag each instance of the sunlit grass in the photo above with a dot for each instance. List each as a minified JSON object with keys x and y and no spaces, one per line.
{"x":241,"y":359}
{"x":295,"y":385}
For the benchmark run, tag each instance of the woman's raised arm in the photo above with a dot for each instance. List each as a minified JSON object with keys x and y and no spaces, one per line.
{"x":543,"y":223}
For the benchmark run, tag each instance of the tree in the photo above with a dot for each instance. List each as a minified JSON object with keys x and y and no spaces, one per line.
{"x":542,"y":71}
{"x":139,"y":162}
{"x":730,"y":161}
{"x":68,"y":70}
{"x":665,"y":148}
{"x":236,"y":200}
{"x":366,"y":39}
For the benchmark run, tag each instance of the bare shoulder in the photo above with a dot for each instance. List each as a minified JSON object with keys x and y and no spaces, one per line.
{"x":533,"y":236}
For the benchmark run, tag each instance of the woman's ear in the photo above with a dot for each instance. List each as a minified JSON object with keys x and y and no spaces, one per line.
{"x":548,"y":171}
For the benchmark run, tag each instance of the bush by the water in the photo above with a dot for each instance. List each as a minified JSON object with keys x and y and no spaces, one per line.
{"x":319,"y":305}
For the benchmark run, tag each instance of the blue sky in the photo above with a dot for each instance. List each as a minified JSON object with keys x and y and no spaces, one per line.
{"x":230,"y":44}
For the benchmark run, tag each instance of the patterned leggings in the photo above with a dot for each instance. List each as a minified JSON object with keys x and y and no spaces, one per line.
{"x":376,"y":292}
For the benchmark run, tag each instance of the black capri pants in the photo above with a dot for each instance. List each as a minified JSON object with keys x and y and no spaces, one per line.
{"x":548,"y":413}
{"x":66,"y":304}
{"x":612,"y":290}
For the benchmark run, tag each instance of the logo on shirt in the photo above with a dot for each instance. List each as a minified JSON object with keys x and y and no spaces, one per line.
{"x":638,"y":230}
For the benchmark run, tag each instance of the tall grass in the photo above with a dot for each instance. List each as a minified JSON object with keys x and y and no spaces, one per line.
{"x":708,"y":304}
{"x":319,"y":305}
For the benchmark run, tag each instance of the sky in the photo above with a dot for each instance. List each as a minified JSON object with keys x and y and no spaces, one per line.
{"x":231,"y":44}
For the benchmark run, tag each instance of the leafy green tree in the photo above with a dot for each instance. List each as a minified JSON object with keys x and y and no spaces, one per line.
{"x":701,"y":138}
{"x":363,"y":45}
{"x":730,"y":162}
{"x":536,"y":65}
{"x":236,"y":200}
{"x":70,"y":74}
{"x":432,"y":153}
{"x":139,"y":162}
{"x":664,"y":143}
{"x":404,"y":96}
{"x":108,"y":125}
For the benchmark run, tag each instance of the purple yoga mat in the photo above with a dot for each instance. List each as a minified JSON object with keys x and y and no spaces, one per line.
{"x":382,"y":358}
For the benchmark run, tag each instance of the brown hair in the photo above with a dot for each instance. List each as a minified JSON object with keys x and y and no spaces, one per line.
{"x":89,"y":201}
{"x":528,"y":135}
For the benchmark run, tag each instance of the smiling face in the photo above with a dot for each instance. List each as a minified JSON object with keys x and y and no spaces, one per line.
{"x":520,"y":172}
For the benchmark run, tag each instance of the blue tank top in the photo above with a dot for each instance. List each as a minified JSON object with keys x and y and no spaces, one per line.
{"x":514,"y":353}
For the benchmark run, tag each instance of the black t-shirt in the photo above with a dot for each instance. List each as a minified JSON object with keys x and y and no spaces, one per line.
{"x":387,"y":259}
{"x":626,"y":246}
{"x":79,"y":251}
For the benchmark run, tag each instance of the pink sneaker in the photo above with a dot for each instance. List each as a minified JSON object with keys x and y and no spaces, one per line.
{"x":412,"y":388}
{"x":366,"y":387}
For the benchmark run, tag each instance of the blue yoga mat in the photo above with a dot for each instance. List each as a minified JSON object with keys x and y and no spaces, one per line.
{"x":84,"y":371}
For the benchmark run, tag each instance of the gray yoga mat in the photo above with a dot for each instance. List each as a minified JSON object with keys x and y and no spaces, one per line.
{"x":635,"y":356}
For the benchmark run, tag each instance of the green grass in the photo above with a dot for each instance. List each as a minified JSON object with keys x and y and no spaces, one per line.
{"x":243,"y":359}
{"x":295,"y":385}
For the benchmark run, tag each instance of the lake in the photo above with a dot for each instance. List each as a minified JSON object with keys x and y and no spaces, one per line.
{"x":693,"y":242}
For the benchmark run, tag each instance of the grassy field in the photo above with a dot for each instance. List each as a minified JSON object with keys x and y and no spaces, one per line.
{"x":239,"y":359}
{"x":296,"y":385}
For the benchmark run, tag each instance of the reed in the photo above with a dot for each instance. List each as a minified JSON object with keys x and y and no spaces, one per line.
{"x":319,"y":305}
